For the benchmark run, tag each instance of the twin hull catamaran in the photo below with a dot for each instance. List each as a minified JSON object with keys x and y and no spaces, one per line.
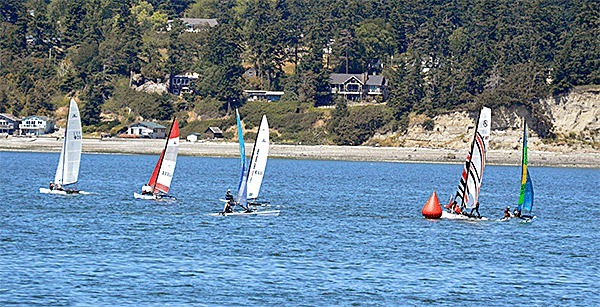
{"x":251,"y":180}
{"x":67,"y":172}
{"x":467,"y":195}
{"x":160,"y":181}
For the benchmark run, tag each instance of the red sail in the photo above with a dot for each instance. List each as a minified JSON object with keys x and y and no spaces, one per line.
{"x":174,"y":130}
{"x":152,"y":181}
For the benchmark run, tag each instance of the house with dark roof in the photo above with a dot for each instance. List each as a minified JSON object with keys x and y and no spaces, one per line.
{"x":9,"y":123}
{"x":37,"y":125}
{"x":357,"y":87}
{"x":148,"y":130}
{"x":213,"y":133}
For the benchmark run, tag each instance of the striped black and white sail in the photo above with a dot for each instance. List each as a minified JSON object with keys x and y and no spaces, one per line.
{"x":470,"y":182}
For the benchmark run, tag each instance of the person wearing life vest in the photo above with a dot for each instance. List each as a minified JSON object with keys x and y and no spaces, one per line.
{"x":507,"y":212}
{"x":146,"y":190}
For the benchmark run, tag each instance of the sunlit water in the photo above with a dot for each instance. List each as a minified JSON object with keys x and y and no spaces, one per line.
{"x":349,"y":233}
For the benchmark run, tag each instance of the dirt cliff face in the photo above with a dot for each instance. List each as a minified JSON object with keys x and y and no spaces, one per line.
{"x":574,"y":120}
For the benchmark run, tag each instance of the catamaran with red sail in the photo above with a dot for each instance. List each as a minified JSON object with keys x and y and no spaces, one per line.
{"x":466,"y":199}
{"x":160,"y":181}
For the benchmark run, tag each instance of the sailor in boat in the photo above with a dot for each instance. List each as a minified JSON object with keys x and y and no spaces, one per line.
{"x":227,"y":208}
{"x":507,"y":212}
{"x":146,"y":190}
{"x":476,"y":209}
{"x":51,"y":185}
{"x":517,"y":212}
{"x":229,"y":197}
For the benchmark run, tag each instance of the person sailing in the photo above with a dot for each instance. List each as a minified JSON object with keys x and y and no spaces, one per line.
{"x":227,"y":208}
{"x":507,"y":212}
{"x":476,"y":209}
{"x":517,"y":212}
{"x":146,"y":190}
{"x":229,"y":197}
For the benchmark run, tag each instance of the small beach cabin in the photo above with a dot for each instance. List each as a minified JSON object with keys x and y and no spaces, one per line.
{"x":213,"y":133}
{"x":148,"y":130}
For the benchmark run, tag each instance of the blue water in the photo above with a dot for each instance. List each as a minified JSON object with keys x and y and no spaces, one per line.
{"x":349,"y":233}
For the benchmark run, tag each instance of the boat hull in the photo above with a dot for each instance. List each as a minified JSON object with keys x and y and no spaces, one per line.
{"x":253,"y":213}
{"x":61,"y":192}
{"x":453,"y":216}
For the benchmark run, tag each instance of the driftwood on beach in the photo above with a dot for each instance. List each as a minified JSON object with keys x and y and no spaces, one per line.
{"x":317,"y":152}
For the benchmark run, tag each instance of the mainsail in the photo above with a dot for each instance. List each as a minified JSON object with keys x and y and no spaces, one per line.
{"x":242,"y":197}
{"x":160,"y":181}
{"x":470,"y":182}
{"x":67,"y":171}
{"x":526,"y":195}
{"x":259,"y":160}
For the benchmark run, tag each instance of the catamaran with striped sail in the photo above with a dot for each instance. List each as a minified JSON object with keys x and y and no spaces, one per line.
{"x":160,"y":182}
{"x":67,"y":172}
{"x":525,"y":204}
{"x":467,"y":195}
{"x":250,"y":179}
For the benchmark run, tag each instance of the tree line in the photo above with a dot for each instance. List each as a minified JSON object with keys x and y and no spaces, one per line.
{"x":437,"y":55}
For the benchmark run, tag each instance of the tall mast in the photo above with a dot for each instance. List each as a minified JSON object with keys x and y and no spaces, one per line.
{"x":164,"y":151}
{"x":65,"y":144}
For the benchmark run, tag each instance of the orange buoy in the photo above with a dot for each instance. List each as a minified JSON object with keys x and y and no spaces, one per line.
{"x":432,"y":208}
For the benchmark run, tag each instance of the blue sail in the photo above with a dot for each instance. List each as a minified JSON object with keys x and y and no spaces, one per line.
{"x":528,"y":196}
{"x":242,"y":184}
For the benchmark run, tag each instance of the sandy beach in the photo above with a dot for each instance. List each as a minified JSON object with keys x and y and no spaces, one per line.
{"x":317,"y":152}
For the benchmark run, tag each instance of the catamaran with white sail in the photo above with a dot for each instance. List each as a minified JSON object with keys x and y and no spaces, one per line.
{"x":467,"y":195}
{"x":251,"y":180}
{"x":160,"y":182}
{"x":67,"y":171}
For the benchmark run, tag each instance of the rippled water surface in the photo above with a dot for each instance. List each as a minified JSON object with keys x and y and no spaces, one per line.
{"x":349,"y":233}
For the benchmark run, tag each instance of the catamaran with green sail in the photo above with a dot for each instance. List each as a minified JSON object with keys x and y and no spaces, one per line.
{"x":525,"y":204}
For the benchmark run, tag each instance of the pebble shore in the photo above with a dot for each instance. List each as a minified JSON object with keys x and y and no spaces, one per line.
{"x":316,"y":152}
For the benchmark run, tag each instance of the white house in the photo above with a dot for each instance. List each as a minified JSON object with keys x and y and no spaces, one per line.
{"x":37,"y":125}
{"x":193,"y":137}
{"x":148,"y":130}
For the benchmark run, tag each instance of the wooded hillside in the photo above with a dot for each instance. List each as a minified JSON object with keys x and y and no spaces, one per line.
{"x":437,"y":55}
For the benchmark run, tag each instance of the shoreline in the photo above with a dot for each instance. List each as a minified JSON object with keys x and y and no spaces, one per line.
{"x":311,"y":152}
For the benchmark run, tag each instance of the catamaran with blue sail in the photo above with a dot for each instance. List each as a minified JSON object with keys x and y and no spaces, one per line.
{"x":250,"y":177}
{"x":525,"y":204}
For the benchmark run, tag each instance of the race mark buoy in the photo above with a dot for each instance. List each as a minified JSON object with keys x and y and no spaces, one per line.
{"x":432,"y":208}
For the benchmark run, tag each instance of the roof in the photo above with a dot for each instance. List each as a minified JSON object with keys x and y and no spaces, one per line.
{"x":211,"y":22}
{"x":150,"y":125}
{"x":46,"y":118}
{"x":375,"y":80}
{"x":342,"y":78}
{"x":214,"y":130}
{"x":10,"y":116}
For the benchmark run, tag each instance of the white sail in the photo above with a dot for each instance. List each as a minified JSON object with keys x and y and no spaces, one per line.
{"x":259,"y":160}
{"x":470,"y":183}
{"x":67,"y":171}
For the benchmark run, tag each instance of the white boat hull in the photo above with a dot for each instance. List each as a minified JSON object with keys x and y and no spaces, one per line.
{"x":253,"y":213}
{"x":153,"y":197}
{"x":60,"y":192}
{"x":453,"y":216}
